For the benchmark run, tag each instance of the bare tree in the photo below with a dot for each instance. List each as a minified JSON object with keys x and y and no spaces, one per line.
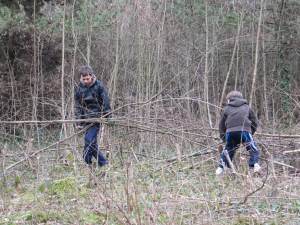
{"x":256,"y":52}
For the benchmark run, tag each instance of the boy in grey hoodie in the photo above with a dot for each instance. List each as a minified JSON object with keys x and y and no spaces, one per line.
{"x":237,"y":125}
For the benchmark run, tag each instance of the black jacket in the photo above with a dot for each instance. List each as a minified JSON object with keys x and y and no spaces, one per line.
{"x":92,"y":101}
{"x":237,"y":116}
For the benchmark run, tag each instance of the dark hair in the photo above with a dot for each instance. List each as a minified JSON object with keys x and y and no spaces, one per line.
{"x":86,"y":70}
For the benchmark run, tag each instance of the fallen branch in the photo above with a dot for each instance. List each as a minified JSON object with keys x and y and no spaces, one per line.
{"x":292,"y":151}
{"x":283,"y":164}
{"x":202,"y":152}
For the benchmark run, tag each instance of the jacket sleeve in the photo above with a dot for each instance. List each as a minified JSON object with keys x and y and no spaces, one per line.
{"x":78,"y":107}
{"x":222,"y":126}
{"x":105,"y":99}
{"x":254,"y":121}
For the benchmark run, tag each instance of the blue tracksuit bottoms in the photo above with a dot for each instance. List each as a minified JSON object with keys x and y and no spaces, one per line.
{"x":91,"y":147}
{"x":233,"y":140}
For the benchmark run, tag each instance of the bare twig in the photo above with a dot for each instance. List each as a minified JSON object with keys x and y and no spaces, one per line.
{"x":42,"y":150}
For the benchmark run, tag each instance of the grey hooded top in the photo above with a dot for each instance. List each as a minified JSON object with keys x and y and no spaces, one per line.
{"x":237,"y":116}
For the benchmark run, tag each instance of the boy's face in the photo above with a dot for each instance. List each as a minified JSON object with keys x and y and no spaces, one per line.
{"x":87,"y":79}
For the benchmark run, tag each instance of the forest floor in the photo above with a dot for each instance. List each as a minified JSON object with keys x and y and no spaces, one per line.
{"x":141,"y":190}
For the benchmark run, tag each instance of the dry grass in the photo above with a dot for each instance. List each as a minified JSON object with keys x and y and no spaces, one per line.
{"x":145,"y":190}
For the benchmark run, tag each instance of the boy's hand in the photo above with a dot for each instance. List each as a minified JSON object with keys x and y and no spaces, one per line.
{"x":79,"y":127}
{"x":220,"y":148}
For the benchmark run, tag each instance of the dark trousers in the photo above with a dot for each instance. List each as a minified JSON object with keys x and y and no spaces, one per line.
{"x":233,"y":140}
{"x":91,"y":147}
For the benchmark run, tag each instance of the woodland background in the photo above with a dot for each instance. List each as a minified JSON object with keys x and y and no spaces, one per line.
{"x":168,"y":65}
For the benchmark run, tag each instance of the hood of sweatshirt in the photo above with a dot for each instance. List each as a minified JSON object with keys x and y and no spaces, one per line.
{"x":236,"y":101}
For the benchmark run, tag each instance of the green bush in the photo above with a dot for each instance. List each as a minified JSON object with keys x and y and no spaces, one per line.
{"x":63,"y":186}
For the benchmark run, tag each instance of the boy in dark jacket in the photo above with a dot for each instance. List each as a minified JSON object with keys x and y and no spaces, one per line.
{"x":91,"y":101}
{"x":238,"y":124}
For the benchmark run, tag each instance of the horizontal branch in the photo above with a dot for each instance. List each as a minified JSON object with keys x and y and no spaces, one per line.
{"x":115,"y":120}
{"x":100,"y":120}
{"x":292,"y":151}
